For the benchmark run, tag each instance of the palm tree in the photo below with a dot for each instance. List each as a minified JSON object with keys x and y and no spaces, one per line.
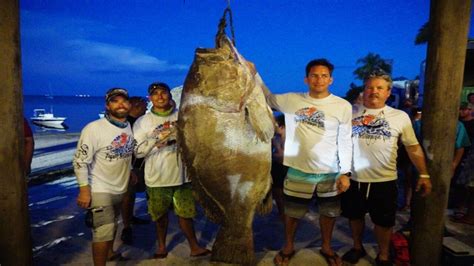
{"x":423,"y":34}
{"x":370,"y":63}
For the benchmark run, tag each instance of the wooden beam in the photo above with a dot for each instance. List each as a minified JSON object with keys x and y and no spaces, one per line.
{"x":449,"y":23}
{"x":15,"y":240}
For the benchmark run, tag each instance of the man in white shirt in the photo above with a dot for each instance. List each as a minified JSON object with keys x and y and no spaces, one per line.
{"x":376,"y":131}
{"x":167,"y":185}
{"x":102,"y":166}
{"x":318,"y":152}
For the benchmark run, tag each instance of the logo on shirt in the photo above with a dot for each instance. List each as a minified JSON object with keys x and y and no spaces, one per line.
{"x":165,"y":133}
{"x":311,"y":116}
{"x":121,"y":147}
{"x":371,"y":127}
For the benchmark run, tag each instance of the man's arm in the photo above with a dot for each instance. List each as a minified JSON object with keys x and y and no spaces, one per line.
{"x":417,"y":157}
{"x":29,"y":148}
{"x":82,"y":159}
{"x":344,"y":149}
{"x":458,"y":153}
{"x":146,"y":141}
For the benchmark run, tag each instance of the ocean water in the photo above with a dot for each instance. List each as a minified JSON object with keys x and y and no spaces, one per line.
{"x":78,"y":110}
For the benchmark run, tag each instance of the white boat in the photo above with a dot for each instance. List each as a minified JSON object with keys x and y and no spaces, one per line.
{"x":42,"y":118}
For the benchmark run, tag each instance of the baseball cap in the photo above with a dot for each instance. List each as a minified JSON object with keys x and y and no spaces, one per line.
{"x":158,"y":85}
{"x":115,"y":92}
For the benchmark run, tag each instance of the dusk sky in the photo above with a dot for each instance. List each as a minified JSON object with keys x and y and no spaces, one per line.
{"x":74,"y":47}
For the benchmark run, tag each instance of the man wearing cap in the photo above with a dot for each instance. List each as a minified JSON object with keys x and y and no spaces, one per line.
{"x":376,"y":131}
{"x":167,"y":186}
{"x":102,"y":166}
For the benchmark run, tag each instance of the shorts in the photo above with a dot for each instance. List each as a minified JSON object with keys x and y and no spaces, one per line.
{"x":181,"y":198}
{"x":303,"y":185}
{"x":298,"y":207}
{"x":300,"y":187}
{"x":140,"y":185}
{"x":105,"y":208}
{"x":379,"y":199}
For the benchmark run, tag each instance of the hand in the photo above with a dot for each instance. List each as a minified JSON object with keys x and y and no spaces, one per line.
{"x":133,"y":178}
{"x":425,"y":184}
{"x":84,"y":197}
{"x":342,"y":184}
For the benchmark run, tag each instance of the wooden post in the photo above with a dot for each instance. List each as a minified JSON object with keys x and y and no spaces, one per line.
{"x":15,"y":242}
{"x":449,"y":23}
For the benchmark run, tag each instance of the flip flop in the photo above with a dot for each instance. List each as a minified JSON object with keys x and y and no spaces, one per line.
{"x":330,"y":259}
{"x":117,"y":257}
{"x":202,"y":254}
{"x":285,"y":258}
{"x":160,"y":256}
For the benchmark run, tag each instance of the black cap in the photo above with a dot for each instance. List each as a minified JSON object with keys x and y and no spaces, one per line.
{"x":158,"y":85}
{"x":115,"y":92}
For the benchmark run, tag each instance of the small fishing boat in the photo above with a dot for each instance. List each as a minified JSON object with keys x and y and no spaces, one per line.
{"x":42,"y":118}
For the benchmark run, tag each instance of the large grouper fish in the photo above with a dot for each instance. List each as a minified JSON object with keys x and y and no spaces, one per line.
{"x":224,"y":138}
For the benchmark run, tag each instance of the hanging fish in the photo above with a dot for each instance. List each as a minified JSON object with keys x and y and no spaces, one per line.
{"x":224,"y":137}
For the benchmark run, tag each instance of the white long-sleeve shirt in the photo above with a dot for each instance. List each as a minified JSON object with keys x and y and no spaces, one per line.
{"x":375,"y":134}
{"x":318,"y":132}
{"x":103,"y":157}
{"x":163,"y":168}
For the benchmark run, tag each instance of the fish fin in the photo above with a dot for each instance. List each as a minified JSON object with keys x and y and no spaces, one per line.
{"x":261,"y":120}
{"x":265,"y":207}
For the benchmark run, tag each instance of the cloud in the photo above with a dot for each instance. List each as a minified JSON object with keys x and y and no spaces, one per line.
{"x":82,"y":52}
{"x":99,"y":57}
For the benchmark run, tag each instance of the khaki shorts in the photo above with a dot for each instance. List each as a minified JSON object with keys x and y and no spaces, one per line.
{"x":161,"y":199}
{"x":105,"y":211}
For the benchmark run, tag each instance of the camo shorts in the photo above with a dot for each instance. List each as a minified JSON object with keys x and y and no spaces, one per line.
{"x":180,"y":198}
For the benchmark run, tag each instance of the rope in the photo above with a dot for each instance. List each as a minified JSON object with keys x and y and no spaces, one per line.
{"x":223,"y":24}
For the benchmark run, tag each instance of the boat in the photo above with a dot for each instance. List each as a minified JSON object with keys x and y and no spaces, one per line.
{"x":43,"y":119}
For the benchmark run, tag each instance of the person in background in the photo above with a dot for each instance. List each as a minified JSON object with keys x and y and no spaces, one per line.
{"x":470,"y":100}
{"x":29,"y":146}
{"x":279,"y":170}
{"x":166,"y":184}
{"x":376,"y":131}
{"x":138,"y":107}
{"x":102,"y":164}
{"x":464,"y":175}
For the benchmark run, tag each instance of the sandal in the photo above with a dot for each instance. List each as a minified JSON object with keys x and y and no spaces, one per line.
{"x":160,"y":256}
{"x":117,"y":257}
{"x":354,"y":255}
{"x":202,"y":254}
{"x":284,"y":258}
{"x":331,"y":259}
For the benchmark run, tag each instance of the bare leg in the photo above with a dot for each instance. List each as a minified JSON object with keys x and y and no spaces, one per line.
{"x":290,"y":229}
{"x":277,"y":194}
{"x":186,"y":225}
{"x":469,"y":217}
{"x":161,"y":230}
{"x":357,"y":228}
{"x":382,"y":234}
{"x":327,"y":225}
{"x":289,"y":248}
{"x":128,"y":203}
{"x":101,"y":251}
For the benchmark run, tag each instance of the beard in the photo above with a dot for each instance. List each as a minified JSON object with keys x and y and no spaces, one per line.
{"x":118,"y":114}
